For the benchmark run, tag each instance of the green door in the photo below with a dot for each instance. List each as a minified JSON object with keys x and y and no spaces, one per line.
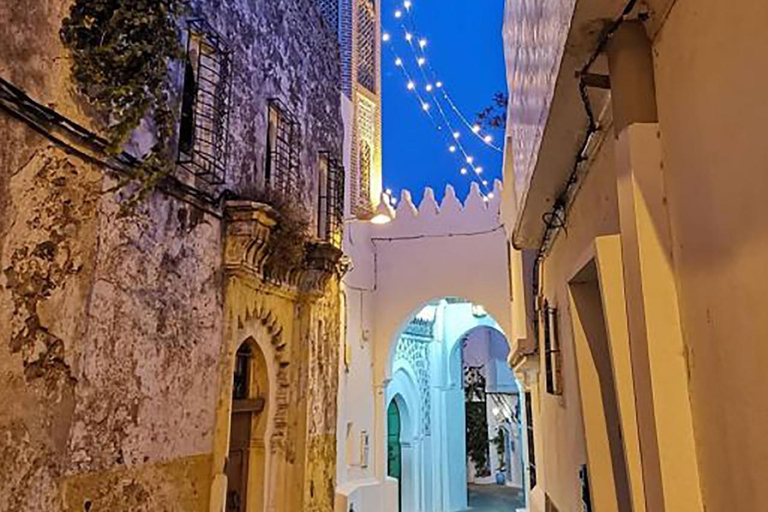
{"x":394,"y":451}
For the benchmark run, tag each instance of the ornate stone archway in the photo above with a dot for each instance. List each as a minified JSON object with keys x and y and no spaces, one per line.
{"x":288,"y":316}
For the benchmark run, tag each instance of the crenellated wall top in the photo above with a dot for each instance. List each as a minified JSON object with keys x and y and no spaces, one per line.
{"x":451,"y":217}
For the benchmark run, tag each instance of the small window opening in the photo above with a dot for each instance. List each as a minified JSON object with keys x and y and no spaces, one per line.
{"x":205,"y":104}
{"x":242,"y":372}
{"x":330,"y":205}
{"x":283,"y":148}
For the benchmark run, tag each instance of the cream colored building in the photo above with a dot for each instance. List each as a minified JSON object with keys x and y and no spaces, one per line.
{"x":635,"y":176}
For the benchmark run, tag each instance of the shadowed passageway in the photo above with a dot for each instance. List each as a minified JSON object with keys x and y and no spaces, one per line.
{"x":495,"y":498}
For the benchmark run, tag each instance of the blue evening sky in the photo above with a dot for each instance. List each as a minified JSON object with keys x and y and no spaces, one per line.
{"x":465,"y":51}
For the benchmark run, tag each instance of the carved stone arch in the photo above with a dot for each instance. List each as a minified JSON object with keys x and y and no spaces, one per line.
{"x":259,"y":323}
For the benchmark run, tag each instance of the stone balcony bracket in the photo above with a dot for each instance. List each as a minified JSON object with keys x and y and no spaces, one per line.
{"x":249,"y":225}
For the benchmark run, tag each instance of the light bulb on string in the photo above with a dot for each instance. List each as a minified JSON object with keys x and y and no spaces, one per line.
{"x":422,"y":43}
{"x":456,"y":135}
{"x":488,"y":139}
{"x":407,"y":4}
{"x":470,"y":160}
{"x":429,"y":87}
{"x":398,"y":61}
{"x":479,"y":170}
{"x":490,"y":195}
{"x":476,"y":128}
{"x":463,"y":170}
{"x":421,"y":61}
{"x":439,"y":85}
{"x":408,"y":36}
{"x":452,"y":149}
{"x":385,"y":37}
{"x":398,"y":13}
{"x":411,"y":86}
{"x":425,"y":107}
{"x":485,"y":182}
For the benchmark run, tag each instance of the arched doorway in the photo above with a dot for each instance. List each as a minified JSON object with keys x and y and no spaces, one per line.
{"x":247,"y":454}
{"x":441,"y":348}
{"x":395,"y":450}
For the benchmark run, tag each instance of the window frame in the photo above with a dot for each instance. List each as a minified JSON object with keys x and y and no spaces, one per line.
{"x":330,"y":199}
{"x":283,"y":151}
{"x":203,"y":140}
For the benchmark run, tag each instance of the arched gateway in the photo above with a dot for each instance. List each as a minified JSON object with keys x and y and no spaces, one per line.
{"x":424,"y":254}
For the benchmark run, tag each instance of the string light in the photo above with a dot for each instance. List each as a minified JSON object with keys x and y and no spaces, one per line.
{"x":421,"y":60}
{"x":490,"y":195}
{"x":385,"y":37}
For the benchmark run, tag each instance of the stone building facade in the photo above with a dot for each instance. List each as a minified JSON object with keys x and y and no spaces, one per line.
{"x":151,"y":361}
{"x":635,"y":171}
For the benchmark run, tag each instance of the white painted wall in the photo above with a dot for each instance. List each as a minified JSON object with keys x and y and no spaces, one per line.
{"x":429,"y":252}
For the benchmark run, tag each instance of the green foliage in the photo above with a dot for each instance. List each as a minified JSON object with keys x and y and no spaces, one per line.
{"x":494,"y":116}
{"x":121,"y":50}
{"x":499,"y":442}
{"x":477,"y":437}
{"x":287,"y":244}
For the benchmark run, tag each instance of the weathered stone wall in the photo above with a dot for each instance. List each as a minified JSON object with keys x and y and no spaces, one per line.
{"x":111,"y":333}
{"x":111,"y":328}
{"x":282,"y":49}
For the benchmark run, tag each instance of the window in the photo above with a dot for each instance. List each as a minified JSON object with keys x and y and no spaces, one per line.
{"x":205,"y":104}
{"x":283,"y":140}
{"x":531,"y":445}
{"x":552,"y":350}
{"x":330,"y":204}
{"x":240,"y":389}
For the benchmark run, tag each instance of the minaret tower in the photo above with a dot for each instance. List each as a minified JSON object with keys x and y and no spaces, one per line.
{"x":357,"y":23}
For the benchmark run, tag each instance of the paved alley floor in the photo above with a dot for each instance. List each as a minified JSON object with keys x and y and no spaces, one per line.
{"x":495,"y":498}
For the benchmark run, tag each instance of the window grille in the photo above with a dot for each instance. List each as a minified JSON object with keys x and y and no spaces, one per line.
{"x":552,"y":354}
{"x":242,"y":372}
{"x":283,"y":141}
{"x":330,"y":215}
{"x":531,"y":445}
{"x":205,"y":106}
{"x":329,"y":10}
{"x":366,"y":43}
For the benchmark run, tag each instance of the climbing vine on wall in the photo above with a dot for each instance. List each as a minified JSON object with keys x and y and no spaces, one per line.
{"x":477,"y":437}
{"x":120,"y":55}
